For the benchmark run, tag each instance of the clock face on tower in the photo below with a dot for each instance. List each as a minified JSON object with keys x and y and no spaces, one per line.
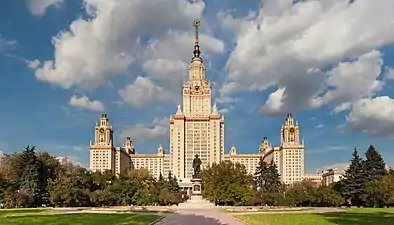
{"x":292,"y":130}
{"x":196,"y":87}
{"x":102,"y":130}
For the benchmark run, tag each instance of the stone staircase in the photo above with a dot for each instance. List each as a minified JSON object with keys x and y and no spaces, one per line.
{"x":196,"y":202}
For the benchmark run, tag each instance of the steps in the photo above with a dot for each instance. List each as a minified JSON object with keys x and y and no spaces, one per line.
{"x":196,"y":202}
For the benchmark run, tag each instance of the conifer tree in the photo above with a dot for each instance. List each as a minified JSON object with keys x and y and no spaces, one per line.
{"x":267,"y":182}
{"x":30,"y":178}
{"x":374,"y":165}
{"x":260,"y":176}
{"x":274,"y":178}
{"x":354,"y":180}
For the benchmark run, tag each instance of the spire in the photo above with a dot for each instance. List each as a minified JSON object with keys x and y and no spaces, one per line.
{"x":196,"y":52}
{"x":215,"y":109}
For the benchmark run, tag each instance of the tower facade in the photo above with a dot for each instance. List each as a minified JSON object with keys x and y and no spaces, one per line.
{"x":196,"y":127}
{"x":291,"y":152}
{"x":103,"y":154}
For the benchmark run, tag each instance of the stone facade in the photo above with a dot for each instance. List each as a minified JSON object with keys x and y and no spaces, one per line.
{"x":197,"y":128}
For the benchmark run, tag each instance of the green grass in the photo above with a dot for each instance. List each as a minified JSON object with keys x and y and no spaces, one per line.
{"x":39,"y":216}
{"x":266,"y":210}
{"x":351,"y":217}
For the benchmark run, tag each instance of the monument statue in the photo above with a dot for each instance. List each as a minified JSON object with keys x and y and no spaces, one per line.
{"x":196,"y":167}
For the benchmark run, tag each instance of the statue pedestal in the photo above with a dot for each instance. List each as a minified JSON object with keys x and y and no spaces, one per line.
{"x":196,"y":190}
{"x":196,"y":201}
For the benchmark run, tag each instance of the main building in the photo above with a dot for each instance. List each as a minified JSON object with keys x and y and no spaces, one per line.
{"x":197,"y":128}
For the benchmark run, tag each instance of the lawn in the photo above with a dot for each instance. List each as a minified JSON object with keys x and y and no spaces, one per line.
{"x":37,"y":216}
{"x":266,"y":210}
{"x":350,"y":217}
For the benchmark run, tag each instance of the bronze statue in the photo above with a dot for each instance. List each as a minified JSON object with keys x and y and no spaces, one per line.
{"x":196,"y":167}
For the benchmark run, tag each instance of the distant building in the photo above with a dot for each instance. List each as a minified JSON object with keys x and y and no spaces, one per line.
{"x":197,"y":128}
{"x":103,"y":154}
{"x":315,"y":178}
{"x":333,"y":175}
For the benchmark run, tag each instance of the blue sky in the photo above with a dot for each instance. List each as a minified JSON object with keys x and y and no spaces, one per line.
{"x":63,"y":63}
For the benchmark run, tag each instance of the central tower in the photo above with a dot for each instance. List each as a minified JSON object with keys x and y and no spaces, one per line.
{"x":197,"y":126}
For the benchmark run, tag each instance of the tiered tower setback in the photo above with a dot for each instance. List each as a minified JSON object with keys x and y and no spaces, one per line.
{"x":197,"y":128}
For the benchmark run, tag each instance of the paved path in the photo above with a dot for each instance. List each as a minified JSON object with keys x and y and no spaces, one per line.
{"x":199,"y":217}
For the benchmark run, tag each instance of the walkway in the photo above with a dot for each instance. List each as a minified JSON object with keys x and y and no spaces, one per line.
{"x":199,"y":217}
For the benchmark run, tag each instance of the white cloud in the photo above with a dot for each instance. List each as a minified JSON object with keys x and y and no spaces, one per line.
{"x":226,"y":110}
{"x":339,"y":166}
{"x":85,"y":103}
{"x":39,"y":7}
{"x":6,"y":44}
{"x":168,"y":65}
{"x":389,"y":73}
{"x":274,"y":104}
{"x":33,"y":64}
{"x":320,"y":126}
{"x":352,"y":81}
{"x":75,"y":160}
{"x":372,"y":116}
{"x":288,"y":45}
{"x":142,"y":91}
{"x":106,"y":45}
{"x":157,"y":129}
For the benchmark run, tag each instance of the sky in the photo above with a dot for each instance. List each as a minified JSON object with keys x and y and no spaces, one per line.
{"x":330,"y":63}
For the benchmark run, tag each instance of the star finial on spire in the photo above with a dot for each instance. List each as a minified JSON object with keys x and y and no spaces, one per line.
{"x":196,"y":52}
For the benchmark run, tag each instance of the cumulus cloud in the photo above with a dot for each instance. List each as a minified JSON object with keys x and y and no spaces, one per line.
{"x":75,"y":160}
{"x":84,"y":102}
{"x":168,"y":65}
{"x":106,"y":45}
{"x":39,"y":7}
{"x":142,"y":91}
{"x":372,"y":116}
{"x":352,"y":81}
{"x":158,"y":128}
{"x":288,"y":45}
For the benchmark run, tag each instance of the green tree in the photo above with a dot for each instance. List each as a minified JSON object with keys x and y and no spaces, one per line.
{"x":30,"y":178}
{"x":227,"y":183}
{"x":391,"y":171}
{"x":266,"y":183}
{"x":302,"y":193}
{"x":49,"y":168}
{"x":326,"y":196}
{"x":374,"y":164}
{"x":354,"y":180}
{"x":71,"y":188}
{"x":379,"y":192}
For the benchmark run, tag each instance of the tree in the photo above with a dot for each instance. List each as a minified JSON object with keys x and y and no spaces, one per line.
{"x":302,"y":193}
{"x":227,"y":183}
{"x":267,"y":183}
{"x":374,"y":164}
{"x":71,"y":188}
{"x":353,"y":182}
{"x":327,"y":197}
{"x":49,"y":168}
{"x":30,"y":178}
{"x":391,"y":171}
{"x":379,"y":192}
